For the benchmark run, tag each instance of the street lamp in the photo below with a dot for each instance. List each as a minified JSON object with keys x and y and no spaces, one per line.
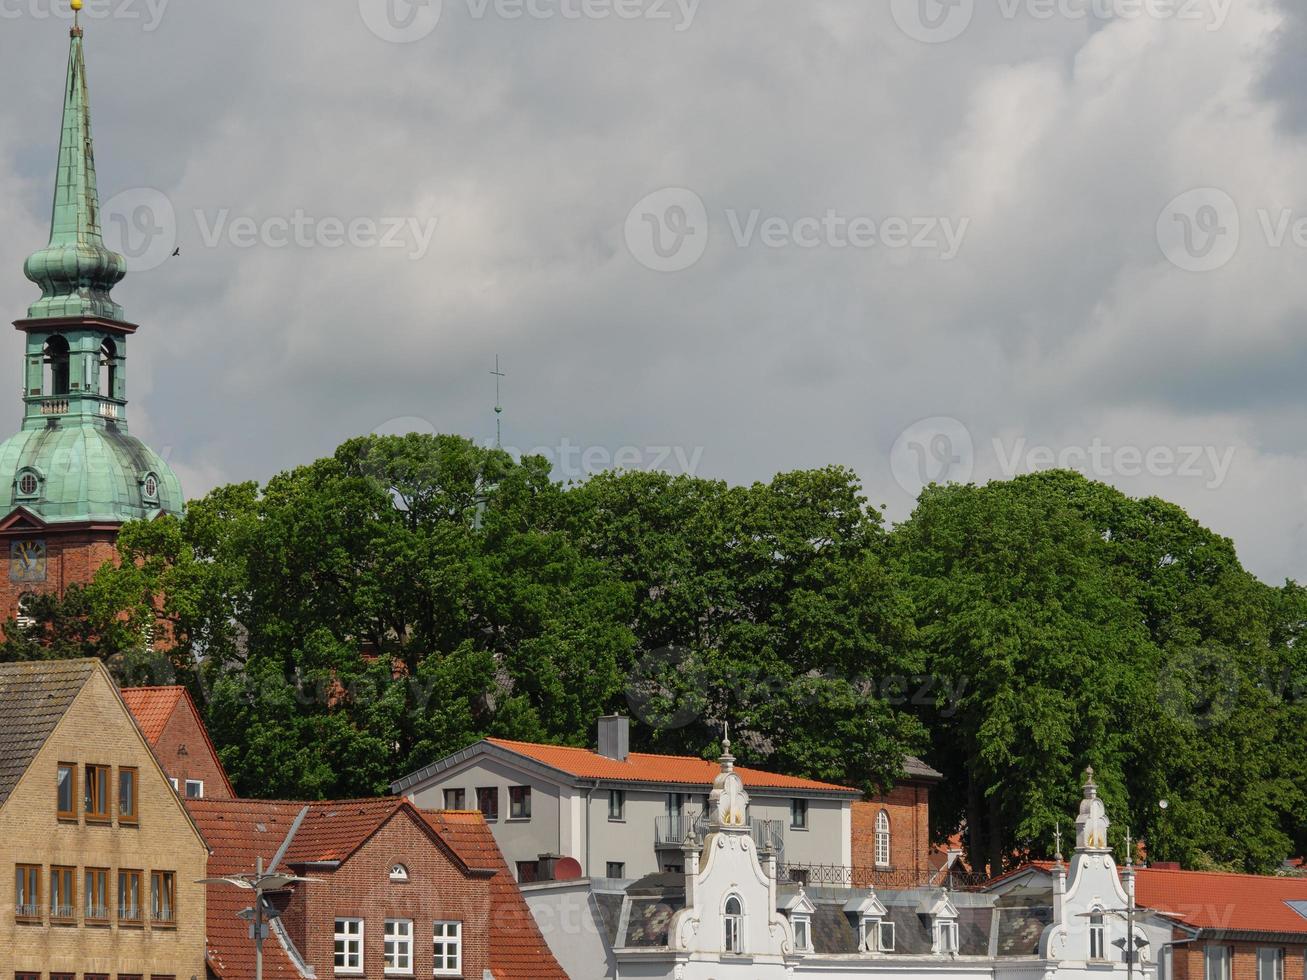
{"x":261,"y":882}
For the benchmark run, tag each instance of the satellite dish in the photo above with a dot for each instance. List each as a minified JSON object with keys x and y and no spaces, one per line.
{"x":567,"y":869}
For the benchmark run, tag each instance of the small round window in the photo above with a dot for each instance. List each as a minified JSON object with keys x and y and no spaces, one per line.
{"x":29,"y":484}
{"x":150,"y":487}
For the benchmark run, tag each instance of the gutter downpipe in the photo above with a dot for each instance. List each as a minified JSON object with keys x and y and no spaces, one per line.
{"x":588,"y":797}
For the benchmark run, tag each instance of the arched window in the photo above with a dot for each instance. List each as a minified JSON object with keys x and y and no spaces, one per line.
{"x":56,"y":366}
{"x":108,"y":368}
{"x":1097,"y":936}
{"x":882,"y":839}
{"x":733,"y":925}
{"x":398,"y":873}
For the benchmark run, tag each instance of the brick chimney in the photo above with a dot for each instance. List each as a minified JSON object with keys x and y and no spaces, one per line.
{"x":615,"y":737}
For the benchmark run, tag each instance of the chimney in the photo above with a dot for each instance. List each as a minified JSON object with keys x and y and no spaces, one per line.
{"x":615,"y":737}
{"x":548,"y":865}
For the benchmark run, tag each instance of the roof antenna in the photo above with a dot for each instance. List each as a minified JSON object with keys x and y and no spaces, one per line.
{"x":499,"y":407}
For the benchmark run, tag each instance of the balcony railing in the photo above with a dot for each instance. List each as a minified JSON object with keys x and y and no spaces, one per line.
{"x":97,"y":913}
{"x":54,"y":406}
{"x":29,"y":913}
{"x":671,"y":830}
{"x":888,"y":878}
{"x":129,"y":913}
{"x":163,"y":917}
{"x":65,"y":912}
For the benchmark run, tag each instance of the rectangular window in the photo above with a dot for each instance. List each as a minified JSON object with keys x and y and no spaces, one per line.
{"x":617,"y":804}
{"x":349,"y":946}
{"x":801,"y":934}
{"x":63,"y":976}
{"x":455,"y":799}
{"x":97,"y":793}
{"x":163,"y":898}
{"x":95,"y":976}
{"x":127,"y":780}
{"x":96,"y":888}
{"x":1270,"y":964}
{"x":66,"y":783}
{"x":1217,"y":962}
{"x":948,"y":936}
{"x":616,"y":870}
{"x":129,"y":898}
{"x":27,"y":893}
{"x":488,"y":802}
{"x":519,"y":802}
{"x":172,"y":780}
{"x":398,"y":948}
{"x":27,"y":976}
{"x":447,"y":948}
{"x":195,"y":789}
{"x":63,"y":903}
{"x":885,"y":937}
{"x":799,"y":814}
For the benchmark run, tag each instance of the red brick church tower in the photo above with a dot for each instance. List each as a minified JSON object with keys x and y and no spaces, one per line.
{"x":74,"y":475}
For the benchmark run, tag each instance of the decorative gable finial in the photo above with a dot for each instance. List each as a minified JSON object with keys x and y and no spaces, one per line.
{"x":1092,"y":823}
{"x":1057,"y":839}
{"x":728,"y":801}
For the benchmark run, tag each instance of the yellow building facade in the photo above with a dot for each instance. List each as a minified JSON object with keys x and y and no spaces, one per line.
{"x":99,"y":857}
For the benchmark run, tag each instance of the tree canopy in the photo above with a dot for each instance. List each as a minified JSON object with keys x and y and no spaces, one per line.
{"x":360,"y":617}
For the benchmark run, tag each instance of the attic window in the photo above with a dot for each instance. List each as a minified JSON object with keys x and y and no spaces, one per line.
{"x":398,"y":873}
{"x":150,"y":488}
{"x":29,"y":484}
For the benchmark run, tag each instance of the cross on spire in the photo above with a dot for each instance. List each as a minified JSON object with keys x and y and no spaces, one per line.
{"x":1057,"y":837}
{"x":498,"y":375}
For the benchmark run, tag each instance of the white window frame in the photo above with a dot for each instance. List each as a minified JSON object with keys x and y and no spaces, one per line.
{"x":352,"y":954}
{"x":448,"y":936}
{"x":799,"y":812}
{"x":802,"y":923}
{"x":398,"y":872}
{"x":1097,"y":935}
{"x":947,"y":940}
{"x":877,"y":935}
{"x":1220,"y":956}
{"x":176,"y":787}
{"x":881,"y":945}
{"x":195,"y":782}
{"x":733,"y":925}
{"x":397,"y":947}
{"x":1275,"y":955}
{"x":883,"y":840}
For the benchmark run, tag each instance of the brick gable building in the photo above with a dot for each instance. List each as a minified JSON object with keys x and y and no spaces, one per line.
{"x":172,"y":725}
{"x":399,"y":890}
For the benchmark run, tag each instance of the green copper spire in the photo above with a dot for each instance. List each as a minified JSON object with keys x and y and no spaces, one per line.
{"x":75,"y":271}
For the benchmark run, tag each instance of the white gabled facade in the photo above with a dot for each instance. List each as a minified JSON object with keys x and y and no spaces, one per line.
{"x":736,"y":924}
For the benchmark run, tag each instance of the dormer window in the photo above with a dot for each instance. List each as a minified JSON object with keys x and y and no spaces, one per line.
{"x":150,"y":488}
{"x":398,"y":873}
{"x":946,"y":937}
{"x":877,"y":935}
{"x":28,"y":484}
{"x":802,"y":933}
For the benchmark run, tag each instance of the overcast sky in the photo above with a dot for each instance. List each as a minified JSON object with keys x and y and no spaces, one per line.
{"x":920,"y":238}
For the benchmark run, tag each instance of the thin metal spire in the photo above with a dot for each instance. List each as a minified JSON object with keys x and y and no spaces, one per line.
{"x":499,"y":407}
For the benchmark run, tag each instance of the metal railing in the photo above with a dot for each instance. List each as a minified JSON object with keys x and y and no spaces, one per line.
{"x":130,"y":913}
{"x":97,"y":913}
{"x":28,"y":911}
{"x":671,"y":830}
{"x":166,"y":917}
{"x":888,"y":878}
{"x":66,"y":912}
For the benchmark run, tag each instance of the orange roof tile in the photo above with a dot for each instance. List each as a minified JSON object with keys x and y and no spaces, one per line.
{"x":518,"y":950}
{"x":643,"y":768}
{"x":152,"y":707}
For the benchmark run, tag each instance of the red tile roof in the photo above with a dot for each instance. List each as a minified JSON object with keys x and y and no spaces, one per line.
{"x":240,"y":831}
{"x":642,"y":768}
{"x":518,"y":951}
{"x":1214,"y":900}
{"x":152,"y":707}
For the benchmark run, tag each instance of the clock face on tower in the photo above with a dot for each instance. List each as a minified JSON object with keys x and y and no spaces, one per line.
{"x":27,"y":561}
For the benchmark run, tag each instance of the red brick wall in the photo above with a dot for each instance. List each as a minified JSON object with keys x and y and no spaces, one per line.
{"x":361,"y":888}
{"x":908,"y":807}
{"x":1187,"y":961}
{"x":184,"y":753}
{"x":73,"y":557}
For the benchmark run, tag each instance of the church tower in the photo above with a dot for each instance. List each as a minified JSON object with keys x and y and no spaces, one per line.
{"x":74,"y":475}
